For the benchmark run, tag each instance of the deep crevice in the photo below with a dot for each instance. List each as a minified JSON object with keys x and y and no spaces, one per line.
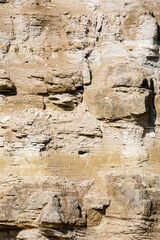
{"x":152,"y":109}
{"x":145,"y":84}
{"x":81,"y":152}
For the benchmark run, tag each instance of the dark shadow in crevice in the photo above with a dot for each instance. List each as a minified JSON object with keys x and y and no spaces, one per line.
{"x":152,"y":109}
{"x":103,"y":210}
{"x":9,"y":92}
{"x":158,"y":35}
{"x":148,"y":120}
{"x":82,"y":152}
{"x":154,"y":59}
{"x":145,"y":84}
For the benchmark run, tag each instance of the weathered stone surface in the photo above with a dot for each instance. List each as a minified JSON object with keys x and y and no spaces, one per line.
{"x":79,"y":119}
{"x":6,"y":85}
{"x":33,"y":234}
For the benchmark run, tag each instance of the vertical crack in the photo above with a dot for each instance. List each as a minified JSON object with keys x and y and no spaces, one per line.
{"x":152,"y":109}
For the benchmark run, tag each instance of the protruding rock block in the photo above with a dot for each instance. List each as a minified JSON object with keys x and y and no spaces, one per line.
{"x":6,"y":85}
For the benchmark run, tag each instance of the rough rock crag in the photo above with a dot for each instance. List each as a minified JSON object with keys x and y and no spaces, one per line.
{"x":79,"y":119}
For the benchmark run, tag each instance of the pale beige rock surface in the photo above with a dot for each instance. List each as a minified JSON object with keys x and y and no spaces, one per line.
{"x":79,"y":119}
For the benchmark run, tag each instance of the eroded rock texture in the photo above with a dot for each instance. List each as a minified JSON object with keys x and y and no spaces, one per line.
{"x":79,"y":119}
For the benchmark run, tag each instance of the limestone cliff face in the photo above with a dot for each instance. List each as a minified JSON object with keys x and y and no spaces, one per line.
{"x":79,"y":119}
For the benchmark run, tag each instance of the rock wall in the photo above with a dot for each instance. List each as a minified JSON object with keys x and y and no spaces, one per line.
{"x":79,"y":119}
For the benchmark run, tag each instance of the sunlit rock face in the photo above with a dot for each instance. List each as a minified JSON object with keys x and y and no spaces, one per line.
{"x":79,"y":119}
